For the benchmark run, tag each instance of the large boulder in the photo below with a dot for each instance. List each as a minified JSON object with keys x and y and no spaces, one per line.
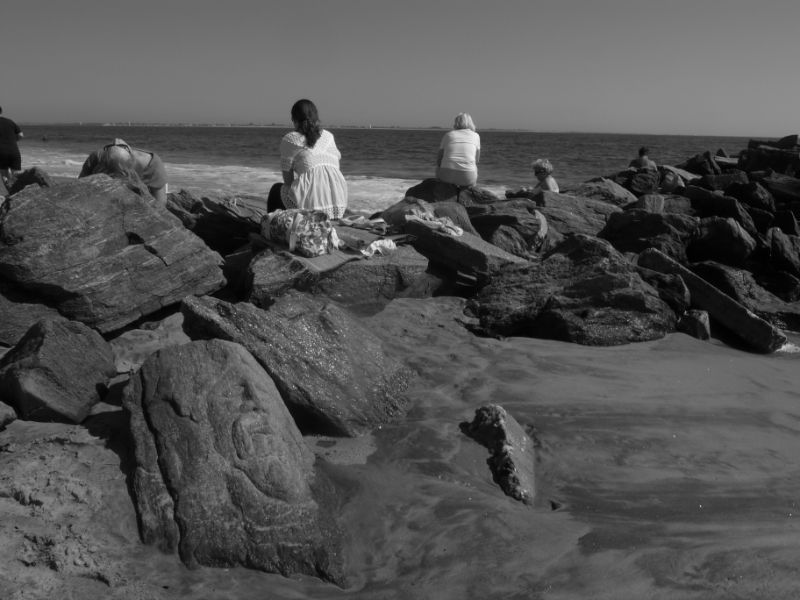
{"x":634,"y":230}
{"x":760,"y":156}
{"x":603,"y":189}
{"x":713,"y":204}
{"x":572,"y":214}
{"x":19,"y":312}
{"x":223,"y":223}
{"x":584,"y":291}
{"x":468,"y":253}
{"x":221,"y":471}
{"x":741,"y":285}
{"x":396,"y":215}
{"x":784,"y":251}
{"x":752,"y":330}
{"x":752,"y":194}
{"x":516,"y":226}
{"x":331,"y":371}
{"x":721,"y":239}
{"x":785,"y":189}
{"x":101,"y":253}
{"x":357,"y":284}
{"x":56,"y":372}
{"x":434,"y":190}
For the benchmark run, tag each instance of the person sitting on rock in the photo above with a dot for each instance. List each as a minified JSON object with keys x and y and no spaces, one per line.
{"x":542,"y":169}
{"x":643,"y":160}
{"x":459,"y":153}
{"x":312,"y":178}
{"x":121,"y":160}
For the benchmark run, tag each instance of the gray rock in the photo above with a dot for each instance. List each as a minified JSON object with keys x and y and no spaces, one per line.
{"x":332,"y":372}
{"x":56,"y":372}
{"x":695,"y":323}
{"x":222,"y":473}
{"x":7,"y":415}
{"x":512,"y":457}
{"x":33,"y":176}
{"x":467,"y":252}
{"x":224,"y":223}
{"x":636,"y":229}
{"x":362,"y":283}
{"x":752,"y":194}
{"x":433,"y":190}
{"x":724,"y":240}
{"x":584,"y":291}
{"x":571,"y":214}
{"x":785,"y":251}
{"x":754,"y":331}
{"x":101,"y":253}
{"x":742,"y":287}
{"x":514,"y":225}
{"x":19,"y":312}
{"x":604,"y":190}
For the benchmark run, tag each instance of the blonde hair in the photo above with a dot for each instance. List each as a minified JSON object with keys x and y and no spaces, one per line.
{"x":463,"y":121}
{"x":542,"y":164}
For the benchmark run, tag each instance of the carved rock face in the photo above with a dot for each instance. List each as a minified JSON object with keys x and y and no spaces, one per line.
{"x":222,"y":472}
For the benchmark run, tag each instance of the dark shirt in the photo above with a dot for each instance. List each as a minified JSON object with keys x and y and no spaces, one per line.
{"x":8,"y":135}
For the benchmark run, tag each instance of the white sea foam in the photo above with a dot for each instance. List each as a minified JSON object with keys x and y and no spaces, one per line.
{"x":366,"y":194}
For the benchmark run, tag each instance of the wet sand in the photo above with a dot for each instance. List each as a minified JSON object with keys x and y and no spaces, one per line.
{"x":664,"y":470}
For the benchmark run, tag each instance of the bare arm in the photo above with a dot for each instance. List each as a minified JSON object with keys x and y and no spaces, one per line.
{"x":477,"y":155}
{"x":439,"y":157}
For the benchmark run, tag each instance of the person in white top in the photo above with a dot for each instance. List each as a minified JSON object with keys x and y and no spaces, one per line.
{"x":459,"y":153}
{"x":310,"y":165}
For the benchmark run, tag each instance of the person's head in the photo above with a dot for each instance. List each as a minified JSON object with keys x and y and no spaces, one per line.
{"x":542,"y":168}
{"x":117,"y":160}
{"x":463,"y":121}
{"x":306,"y":120}
{"x":1,"y":110}
{"x":644,"y":151}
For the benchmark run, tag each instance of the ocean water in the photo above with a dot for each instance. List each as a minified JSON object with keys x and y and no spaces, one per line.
{"x":379,"y":164}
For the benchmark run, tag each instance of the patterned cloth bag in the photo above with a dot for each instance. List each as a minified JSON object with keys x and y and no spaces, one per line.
{"x":309,"y":233}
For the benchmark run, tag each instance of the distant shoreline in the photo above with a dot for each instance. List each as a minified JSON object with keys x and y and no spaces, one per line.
{"x":366,"y":127}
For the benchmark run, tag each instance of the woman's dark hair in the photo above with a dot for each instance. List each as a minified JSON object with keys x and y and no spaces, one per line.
{"x":644,"y":150}
{"x":306,"y":120}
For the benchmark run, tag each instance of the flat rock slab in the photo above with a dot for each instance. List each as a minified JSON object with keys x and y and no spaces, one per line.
{"x":512,"y":457}
{"x":222,"y":472}
{"x":467,"y":252}
{"x":101,"y":253}
{"x":757,"y":333}
{"x":332,"y":372}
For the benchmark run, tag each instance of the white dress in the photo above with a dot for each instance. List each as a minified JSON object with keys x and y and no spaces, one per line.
{"x":318,"y":183}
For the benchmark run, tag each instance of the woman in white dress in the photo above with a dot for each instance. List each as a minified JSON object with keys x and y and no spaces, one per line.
{"x":312,"y":179}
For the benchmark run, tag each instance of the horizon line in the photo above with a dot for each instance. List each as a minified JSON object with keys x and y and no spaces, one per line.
{"x":353,"y":126}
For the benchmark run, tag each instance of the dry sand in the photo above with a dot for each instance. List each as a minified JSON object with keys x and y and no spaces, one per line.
{"x":665,"y":470}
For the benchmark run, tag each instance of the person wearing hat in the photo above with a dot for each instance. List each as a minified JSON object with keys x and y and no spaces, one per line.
{"x":119,"y":159}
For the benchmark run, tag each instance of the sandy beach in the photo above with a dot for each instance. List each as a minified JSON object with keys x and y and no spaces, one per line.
{"x":664,"y":470}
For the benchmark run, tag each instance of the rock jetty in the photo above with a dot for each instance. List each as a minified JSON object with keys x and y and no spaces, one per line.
{"x":276,"y":347}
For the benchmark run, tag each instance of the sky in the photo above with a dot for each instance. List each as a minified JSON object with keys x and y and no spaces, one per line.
{"x":705,"y":67}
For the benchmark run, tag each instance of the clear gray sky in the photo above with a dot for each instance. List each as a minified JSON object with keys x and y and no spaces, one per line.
{"x":726,"y":67}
